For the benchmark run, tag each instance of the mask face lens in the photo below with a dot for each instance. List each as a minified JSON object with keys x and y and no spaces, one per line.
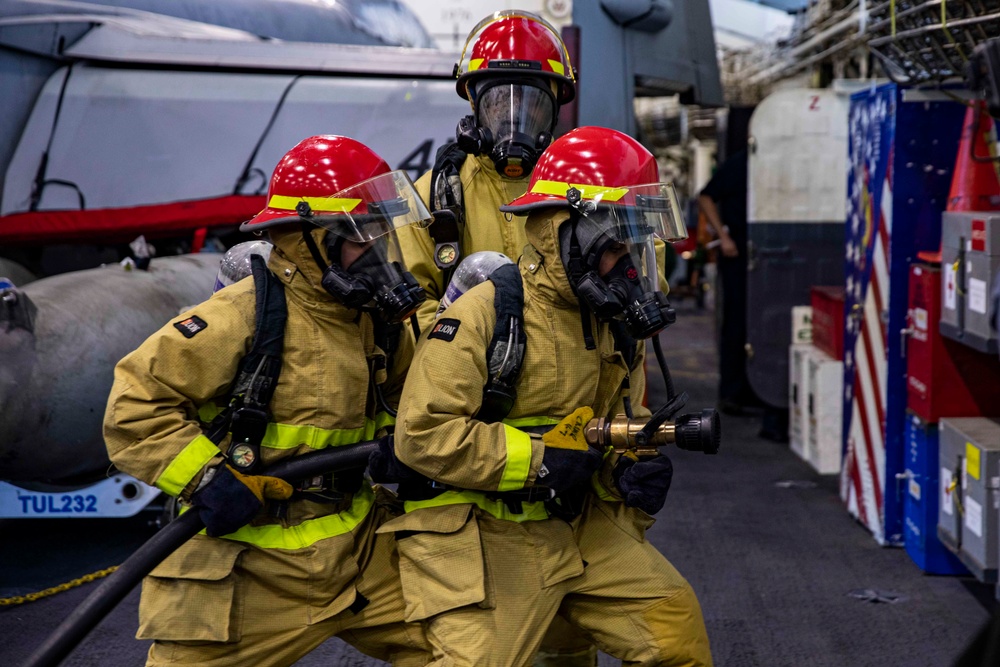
{"x":515,"y":112}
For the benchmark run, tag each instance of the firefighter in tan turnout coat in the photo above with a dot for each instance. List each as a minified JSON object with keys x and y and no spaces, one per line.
{"x":487,"y":557}
{"x":281,"y":570}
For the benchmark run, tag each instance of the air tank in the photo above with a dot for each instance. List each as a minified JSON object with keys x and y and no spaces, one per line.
{"x":60,"y":338}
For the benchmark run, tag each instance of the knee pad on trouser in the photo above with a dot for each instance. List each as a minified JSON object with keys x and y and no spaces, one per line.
{"x":678,"y":630}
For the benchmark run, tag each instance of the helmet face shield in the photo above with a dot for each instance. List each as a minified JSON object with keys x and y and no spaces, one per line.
{"x":635,"y":211}
{"x":515,"y":111}
{"x":371,"y":209}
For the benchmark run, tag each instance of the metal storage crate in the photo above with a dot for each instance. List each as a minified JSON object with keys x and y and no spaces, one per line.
{"x":922,"y":500}
{"x":970,"y":521}
{"x":970,"y":257}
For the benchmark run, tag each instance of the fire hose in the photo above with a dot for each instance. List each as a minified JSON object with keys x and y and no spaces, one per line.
{"x":113,"y":590}
{"x":693,"y":432}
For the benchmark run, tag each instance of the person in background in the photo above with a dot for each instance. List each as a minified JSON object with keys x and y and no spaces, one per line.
{"x":724,"y":203}
{"x":515,"y":73}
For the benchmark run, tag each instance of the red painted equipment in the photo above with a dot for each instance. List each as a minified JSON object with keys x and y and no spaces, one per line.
{"x":944,"y":378}
{"x":828,"y":320}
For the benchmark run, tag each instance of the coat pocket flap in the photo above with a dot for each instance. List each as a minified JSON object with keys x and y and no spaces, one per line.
{"x":202,"y":559}
{"x":441,"y":571}
{"x":444,"y":519}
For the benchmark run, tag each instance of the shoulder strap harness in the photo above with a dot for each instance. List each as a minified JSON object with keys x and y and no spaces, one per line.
{"x":247,"y":414}
{"x":505,"y":354}
{"x":448,"y":206}
{"x":259,"y":371}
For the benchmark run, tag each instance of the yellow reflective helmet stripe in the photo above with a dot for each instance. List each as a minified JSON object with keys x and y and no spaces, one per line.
{"x":186,"y":465}
{"x":557,"y":67}
{"x":311,"y":531}
{"x":475,"y":64}
{"x":317,"y":204}
{"x":559,"y":189}
{"x":518,"y":464}
{"x":532,"y":511}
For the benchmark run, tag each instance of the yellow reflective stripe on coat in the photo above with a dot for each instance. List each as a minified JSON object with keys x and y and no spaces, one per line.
{"x":382,"y":420}
{"x":560,"y":189}
{"x":532,"y":511}
{"x":317,"y":204}
{"x":311,"y":531}
{"x":522,"y":422}
{"x":289,"y":436}
{"x":186,"y":465}
{"x":518,"y":464}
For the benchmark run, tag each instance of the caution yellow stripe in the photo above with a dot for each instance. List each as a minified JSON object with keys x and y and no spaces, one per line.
{"x":317,"y":204}
{"x":560,"y":189}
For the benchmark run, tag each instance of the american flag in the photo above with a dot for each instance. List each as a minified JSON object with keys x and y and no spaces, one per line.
{"x":900,"y":159}
{"x":869,"y":227}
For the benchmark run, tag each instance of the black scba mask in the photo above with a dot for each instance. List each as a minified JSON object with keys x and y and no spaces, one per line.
{"x":512,"y":125}
{"x":372,"y":282}
{"x":621,"y":293}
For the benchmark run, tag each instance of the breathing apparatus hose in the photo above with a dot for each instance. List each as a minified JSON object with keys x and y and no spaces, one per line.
{"x":662,"y":361}
{"x":113,"y":590}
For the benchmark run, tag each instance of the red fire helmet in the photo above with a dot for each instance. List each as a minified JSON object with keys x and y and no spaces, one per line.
{"x":515,"y":43}
{"x":595,"y":161}
{"x":595,"y":169}
{"x":311,"y":172}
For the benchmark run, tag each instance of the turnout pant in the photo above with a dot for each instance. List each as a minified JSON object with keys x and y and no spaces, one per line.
{"x":216,"y":602}
{"x":487,"y":588}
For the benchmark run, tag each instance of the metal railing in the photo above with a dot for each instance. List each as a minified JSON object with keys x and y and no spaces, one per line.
{"x":929,"y":41}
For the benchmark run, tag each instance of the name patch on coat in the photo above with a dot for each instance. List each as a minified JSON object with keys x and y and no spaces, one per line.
{"x":191,"y":326}
{"x":445,"y":329}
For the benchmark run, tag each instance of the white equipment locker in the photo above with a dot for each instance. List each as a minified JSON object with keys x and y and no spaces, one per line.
{"x":798,"y":396}
{"x":826,"y":412}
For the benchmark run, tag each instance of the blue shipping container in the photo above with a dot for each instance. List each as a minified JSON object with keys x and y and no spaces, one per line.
{"x":920,"y":504}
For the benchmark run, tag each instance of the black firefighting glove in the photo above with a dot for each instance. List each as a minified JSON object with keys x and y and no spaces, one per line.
{"x":644,"y":484}
{"x":568,"y":459}
{"x":385,"y":468}
{"x":231,"y":499}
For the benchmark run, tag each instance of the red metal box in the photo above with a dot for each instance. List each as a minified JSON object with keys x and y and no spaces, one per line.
{"x":828,"y":320}
{"x":944,"y":378}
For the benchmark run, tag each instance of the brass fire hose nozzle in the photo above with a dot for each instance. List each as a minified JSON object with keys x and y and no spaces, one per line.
{"x":620,"y":431}
{"x":696,"y":432}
